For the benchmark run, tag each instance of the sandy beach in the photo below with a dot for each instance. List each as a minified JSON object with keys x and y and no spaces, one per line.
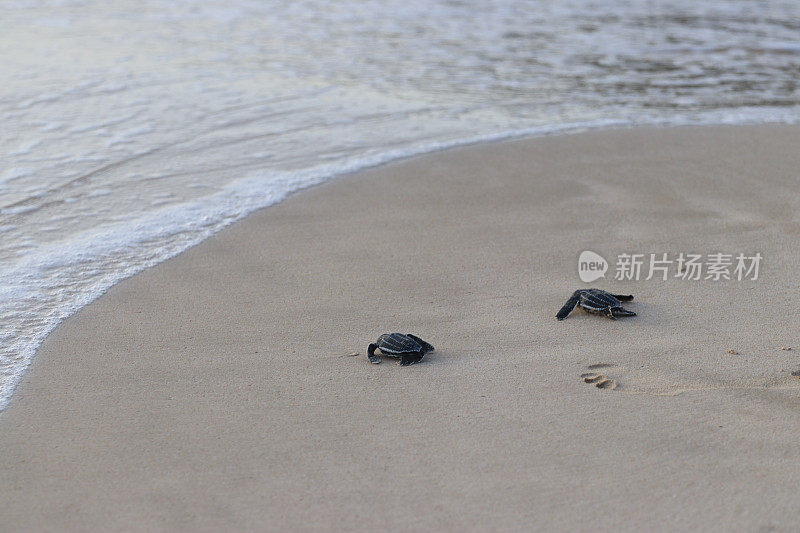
{"x":216,"y":391}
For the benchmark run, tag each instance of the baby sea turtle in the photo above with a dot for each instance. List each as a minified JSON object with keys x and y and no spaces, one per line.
{"x":597,"y":302}
{"x":409,"y":348}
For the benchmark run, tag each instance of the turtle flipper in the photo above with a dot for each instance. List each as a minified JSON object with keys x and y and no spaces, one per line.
{"x":410,"y":358}
{"x":371,"y":354}
{"x":569,"y":306}
{"x":617,"y":312}
{"x":623,"y":297}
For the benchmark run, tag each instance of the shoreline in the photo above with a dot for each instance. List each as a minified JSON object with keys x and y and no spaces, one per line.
{"x":229,"y":417}
{"x":311,"y":177}
{"x":312,"y":180}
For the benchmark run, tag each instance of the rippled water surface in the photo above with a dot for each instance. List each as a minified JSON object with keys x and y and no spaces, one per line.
{"x":134,"y":129}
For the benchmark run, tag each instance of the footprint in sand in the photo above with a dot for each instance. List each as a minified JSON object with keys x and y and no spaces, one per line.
{"x":646,"y":380}
{"x":601,"y":381}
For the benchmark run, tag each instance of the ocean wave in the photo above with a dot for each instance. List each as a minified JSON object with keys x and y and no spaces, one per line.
{"x":138,"y":129}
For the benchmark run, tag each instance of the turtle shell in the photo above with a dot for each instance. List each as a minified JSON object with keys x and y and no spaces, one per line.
{"x":398,"y":343}
{"x":598,"y":299}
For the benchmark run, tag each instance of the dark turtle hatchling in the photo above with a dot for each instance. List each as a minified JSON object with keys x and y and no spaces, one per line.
{"x":596,"y":302}
{"x":409,"y":348}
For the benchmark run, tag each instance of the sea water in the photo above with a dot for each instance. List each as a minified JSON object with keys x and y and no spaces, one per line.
{"x":134,"y":129}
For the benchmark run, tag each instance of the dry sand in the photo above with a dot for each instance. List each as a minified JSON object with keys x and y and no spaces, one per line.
{"x":216,"y":391}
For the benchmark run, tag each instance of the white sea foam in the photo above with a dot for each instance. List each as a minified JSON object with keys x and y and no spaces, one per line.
{"x":186,"y":116}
